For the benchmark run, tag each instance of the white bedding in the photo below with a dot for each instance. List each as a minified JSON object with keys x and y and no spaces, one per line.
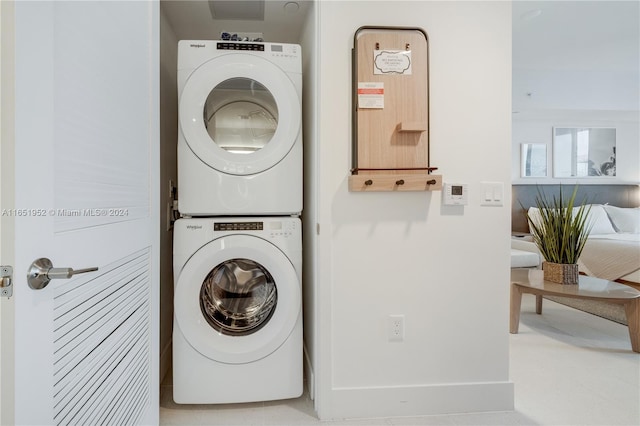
{"x":619,"y":237}
{"x":622,"y":265}
{"x":633,"y":277}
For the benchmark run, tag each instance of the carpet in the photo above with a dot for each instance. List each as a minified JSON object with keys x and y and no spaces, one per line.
{"x":606,"y":310}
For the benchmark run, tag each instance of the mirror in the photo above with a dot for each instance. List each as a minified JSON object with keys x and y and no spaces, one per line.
{"x":534,"y":160}
{"x":584,"y":152}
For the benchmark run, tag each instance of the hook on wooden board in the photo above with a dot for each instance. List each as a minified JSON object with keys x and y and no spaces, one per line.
{"x":397,"y":182}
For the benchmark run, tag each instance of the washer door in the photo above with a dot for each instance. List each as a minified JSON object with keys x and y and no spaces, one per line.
{"x":240,"y":114}
{"x":237,"y":299}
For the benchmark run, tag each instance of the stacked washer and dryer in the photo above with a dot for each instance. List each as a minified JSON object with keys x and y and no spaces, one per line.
{"x":237,"y":334}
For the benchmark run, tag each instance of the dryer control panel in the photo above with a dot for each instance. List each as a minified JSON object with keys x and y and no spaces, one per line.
{"x":238,"y":226}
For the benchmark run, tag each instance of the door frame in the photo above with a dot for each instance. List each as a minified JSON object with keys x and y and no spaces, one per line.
{"x":7,"y":180}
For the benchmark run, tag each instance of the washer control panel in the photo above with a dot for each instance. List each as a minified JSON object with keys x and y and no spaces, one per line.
{"x":270,"y":49}
{"x":272,"y":228}
{"x":240,"y":46}
{"x":281,"y":229}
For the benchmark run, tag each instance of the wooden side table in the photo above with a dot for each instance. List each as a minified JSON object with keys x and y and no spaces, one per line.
{"x":532,"y":281}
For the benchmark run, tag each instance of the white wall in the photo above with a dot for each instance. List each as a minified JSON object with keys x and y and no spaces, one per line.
{"x":444,"y":268}
{"x":168,"y":171}
{"x":537,"y":127}
{"x":309,"y":44}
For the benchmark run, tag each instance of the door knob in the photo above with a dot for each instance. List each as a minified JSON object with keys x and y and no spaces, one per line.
{"x":42,"y":271}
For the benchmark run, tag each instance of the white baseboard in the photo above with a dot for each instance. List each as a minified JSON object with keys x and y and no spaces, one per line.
{"x":420,"y":400}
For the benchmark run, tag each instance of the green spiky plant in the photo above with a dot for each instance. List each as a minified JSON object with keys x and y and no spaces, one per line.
{"x":560,"y":234}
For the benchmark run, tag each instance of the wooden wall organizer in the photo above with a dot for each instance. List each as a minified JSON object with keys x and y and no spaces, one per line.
{"x":391,"y":111}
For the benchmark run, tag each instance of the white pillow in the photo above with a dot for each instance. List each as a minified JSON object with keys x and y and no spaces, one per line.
{"x":534,"y":216}
{"x":601,"y":224}
{"x":598,"y":219}
{"x":624,"y":220}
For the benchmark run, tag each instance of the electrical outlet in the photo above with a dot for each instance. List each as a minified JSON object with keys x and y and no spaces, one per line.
{"x":395,"y":328}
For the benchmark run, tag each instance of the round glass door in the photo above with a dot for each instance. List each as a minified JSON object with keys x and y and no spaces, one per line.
{"x":238,"y":297}
{"x":240,"y":115}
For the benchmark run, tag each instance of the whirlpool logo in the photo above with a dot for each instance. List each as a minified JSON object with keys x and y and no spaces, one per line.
{"x":197,"y":45}
{"x":194,"y":227}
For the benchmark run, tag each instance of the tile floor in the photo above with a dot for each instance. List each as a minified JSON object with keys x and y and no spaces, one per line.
{"x":569,"y":368}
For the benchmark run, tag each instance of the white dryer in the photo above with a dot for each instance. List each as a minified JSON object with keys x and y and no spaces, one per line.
{"x":237,"y":334}
{"x":240,"y":128}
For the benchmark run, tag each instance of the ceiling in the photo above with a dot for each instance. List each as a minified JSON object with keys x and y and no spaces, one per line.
{"x":595,"y":35}
{"x":554,"y":42}
{"x":576,"y":55}
{"x":546,"y":34}
{"x":193,"y":20}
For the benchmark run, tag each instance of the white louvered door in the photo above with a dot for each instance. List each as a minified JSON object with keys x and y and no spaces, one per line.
{"x":86,"y":183}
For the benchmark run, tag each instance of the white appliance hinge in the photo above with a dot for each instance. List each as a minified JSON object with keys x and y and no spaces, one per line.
{"x":317,"y":229}
{"x":6,"y":281}
{"x":172,"y":206}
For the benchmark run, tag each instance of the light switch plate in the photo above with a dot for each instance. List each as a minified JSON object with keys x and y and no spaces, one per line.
{"x":492,"y":194}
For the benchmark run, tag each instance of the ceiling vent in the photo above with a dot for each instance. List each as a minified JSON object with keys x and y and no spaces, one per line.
{"x":239,"y":10}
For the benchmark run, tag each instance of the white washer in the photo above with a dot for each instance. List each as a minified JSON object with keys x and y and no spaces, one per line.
{"x":240,"y":128}
{"x":237,"y":333}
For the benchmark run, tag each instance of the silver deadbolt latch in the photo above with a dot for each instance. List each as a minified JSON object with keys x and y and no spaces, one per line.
{"x":6,"y":284}
{"x":42,"y":271}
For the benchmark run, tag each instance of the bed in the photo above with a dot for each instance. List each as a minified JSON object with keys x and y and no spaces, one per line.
{"x":613,"y":249}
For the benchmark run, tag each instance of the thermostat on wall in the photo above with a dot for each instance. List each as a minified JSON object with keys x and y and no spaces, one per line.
{"x":455,"y":194}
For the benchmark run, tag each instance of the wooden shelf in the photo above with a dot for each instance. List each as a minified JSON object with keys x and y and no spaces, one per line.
{"x":413,"y":126}
{"x":391,"y":126}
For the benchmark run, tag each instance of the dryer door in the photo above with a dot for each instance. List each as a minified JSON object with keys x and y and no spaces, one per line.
{"x":237,"y":299}
{"x":240,"y":114}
